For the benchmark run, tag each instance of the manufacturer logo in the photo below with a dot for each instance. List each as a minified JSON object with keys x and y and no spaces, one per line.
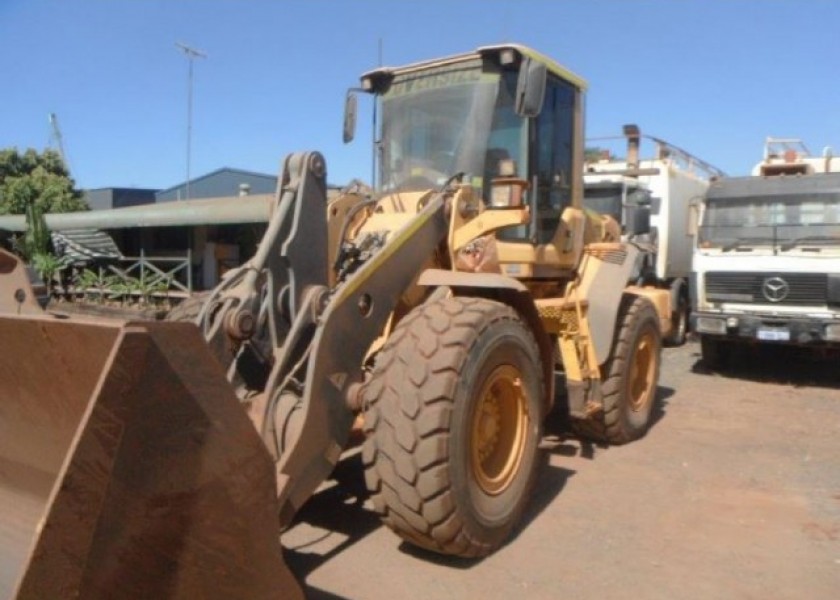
{"x":775,"y":289}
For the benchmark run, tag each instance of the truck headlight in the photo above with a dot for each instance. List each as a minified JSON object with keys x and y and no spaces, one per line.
{"x":832,"y":332}
{"x":711,"y":325}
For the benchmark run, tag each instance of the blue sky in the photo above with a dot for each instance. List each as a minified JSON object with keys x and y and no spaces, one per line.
{"x":712,"y":76}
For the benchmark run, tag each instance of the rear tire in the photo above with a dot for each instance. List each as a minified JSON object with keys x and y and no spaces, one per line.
{"x":630,"y":376}
{"x":453,"y":425}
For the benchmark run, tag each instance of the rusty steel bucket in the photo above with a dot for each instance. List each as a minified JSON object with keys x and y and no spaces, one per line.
{"x":17,"y":295}
{"x":128,"y":468}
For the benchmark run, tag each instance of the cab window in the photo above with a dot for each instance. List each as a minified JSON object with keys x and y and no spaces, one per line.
{"x":549,"y":157}
{"x":554,"y":155}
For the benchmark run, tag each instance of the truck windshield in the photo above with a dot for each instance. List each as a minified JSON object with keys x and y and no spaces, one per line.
{"x":609,"y":198}
{"x":447,"y":120}
{"x":784,"y":221}
{"x":605,"y":199}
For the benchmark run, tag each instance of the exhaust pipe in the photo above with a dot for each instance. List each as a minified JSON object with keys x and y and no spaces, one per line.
{"x":634,"y":136}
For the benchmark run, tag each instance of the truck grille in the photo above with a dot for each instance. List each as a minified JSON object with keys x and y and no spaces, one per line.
{"x":786,"y":289}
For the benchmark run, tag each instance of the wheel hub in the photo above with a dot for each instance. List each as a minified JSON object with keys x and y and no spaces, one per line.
{"x":499,"y":426}
{"x":642,"y":372}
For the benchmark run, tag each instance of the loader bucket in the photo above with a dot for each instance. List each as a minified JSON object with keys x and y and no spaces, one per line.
{"x":17,"y":295}
{"x":128,"y":468}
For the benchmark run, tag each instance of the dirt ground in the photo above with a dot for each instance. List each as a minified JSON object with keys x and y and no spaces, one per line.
{"x":734,"y":493}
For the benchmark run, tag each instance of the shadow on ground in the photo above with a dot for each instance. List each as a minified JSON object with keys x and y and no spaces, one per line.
{"x":337,"y":509}
{"x":559,"y":436}
{"x":550,"y":482}
{"x":790,"y":365}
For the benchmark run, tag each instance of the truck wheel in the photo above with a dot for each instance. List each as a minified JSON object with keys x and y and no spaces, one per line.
{"x":630,"y":376}
{"x":453,"y":424}
{"x":715,"y":352}
{"x":679,"y":324}
{"x":188,"y":309}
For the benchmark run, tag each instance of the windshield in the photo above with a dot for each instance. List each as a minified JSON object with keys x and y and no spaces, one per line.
{"x":787,"y":221}
{"x":448,"y":120}
{"x":609,"y":199}
{"x":604,"y":200}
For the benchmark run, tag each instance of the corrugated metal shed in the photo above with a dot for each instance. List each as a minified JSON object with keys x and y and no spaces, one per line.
{"x":82,"y":246}
{"x":208,"y":211}
{"x":220,"y":183}
{"x":105,"y":198}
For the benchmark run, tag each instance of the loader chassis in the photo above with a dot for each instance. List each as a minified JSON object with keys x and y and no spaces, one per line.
{"x":437,"y":308}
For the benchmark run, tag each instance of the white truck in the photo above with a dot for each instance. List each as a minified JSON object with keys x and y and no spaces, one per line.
{"x":651,"y":198}
{"x":767,"y":261}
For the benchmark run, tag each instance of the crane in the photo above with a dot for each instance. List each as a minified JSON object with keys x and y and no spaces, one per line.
{"x":56,"y":137}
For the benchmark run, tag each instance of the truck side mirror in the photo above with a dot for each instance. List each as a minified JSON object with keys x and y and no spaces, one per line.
{"x":350,"y":110}
{"x":638,"y":220}
{"x":693,"y":217}
{"x":530,"y":88}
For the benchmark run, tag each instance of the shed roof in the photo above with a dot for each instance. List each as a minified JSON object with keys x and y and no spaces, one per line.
{"x":224,"y":181}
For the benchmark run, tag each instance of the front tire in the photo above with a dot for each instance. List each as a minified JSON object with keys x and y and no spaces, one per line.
{"x":453,"y":425}
{"x":679,"y":324}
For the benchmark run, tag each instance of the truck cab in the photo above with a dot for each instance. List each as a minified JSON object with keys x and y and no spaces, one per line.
{"x":649,"y":186}
{"x":766,"y":266}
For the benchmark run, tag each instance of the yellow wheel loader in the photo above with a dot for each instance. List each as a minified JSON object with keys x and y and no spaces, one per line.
{"x":162,"y":459}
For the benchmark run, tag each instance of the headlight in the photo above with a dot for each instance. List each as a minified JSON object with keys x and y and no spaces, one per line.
{"x":711,"y":325}
{"x":507,"y":189}
{"x":832,"y":333}
{"x":507,"y":192}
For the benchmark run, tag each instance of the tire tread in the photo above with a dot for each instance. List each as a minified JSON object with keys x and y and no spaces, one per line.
{"x":410,"y":395}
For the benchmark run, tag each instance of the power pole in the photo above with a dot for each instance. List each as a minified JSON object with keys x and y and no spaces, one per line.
{"x":191,"y":54}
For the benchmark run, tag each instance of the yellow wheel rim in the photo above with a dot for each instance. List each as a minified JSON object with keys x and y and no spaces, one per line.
{"x":642,"y":372}
{"x":499,"y":428}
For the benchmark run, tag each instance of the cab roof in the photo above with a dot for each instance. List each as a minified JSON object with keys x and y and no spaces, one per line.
{"x":504,"y":53}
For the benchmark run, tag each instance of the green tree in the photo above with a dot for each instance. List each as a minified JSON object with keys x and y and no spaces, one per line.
{"x":41,"y":180}
{"x":595,"y":153}
{"x":34,"y":246}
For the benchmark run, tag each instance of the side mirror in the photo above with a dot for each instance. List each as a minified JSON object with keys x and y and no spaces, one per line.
{"x":350,"y":110}
{"x":655,"y":205}
{"x":693,"y":224}
{"x":530,"y":88}
{"x":638,"y":220}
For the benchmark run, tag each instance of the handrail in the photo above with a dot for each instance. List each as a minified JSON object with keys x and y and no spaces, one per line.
{"x":667,"y":150}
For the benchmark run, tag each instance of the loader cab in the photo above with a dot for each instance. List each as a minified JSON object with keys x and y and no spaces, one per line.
{"x":505,"y":117}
